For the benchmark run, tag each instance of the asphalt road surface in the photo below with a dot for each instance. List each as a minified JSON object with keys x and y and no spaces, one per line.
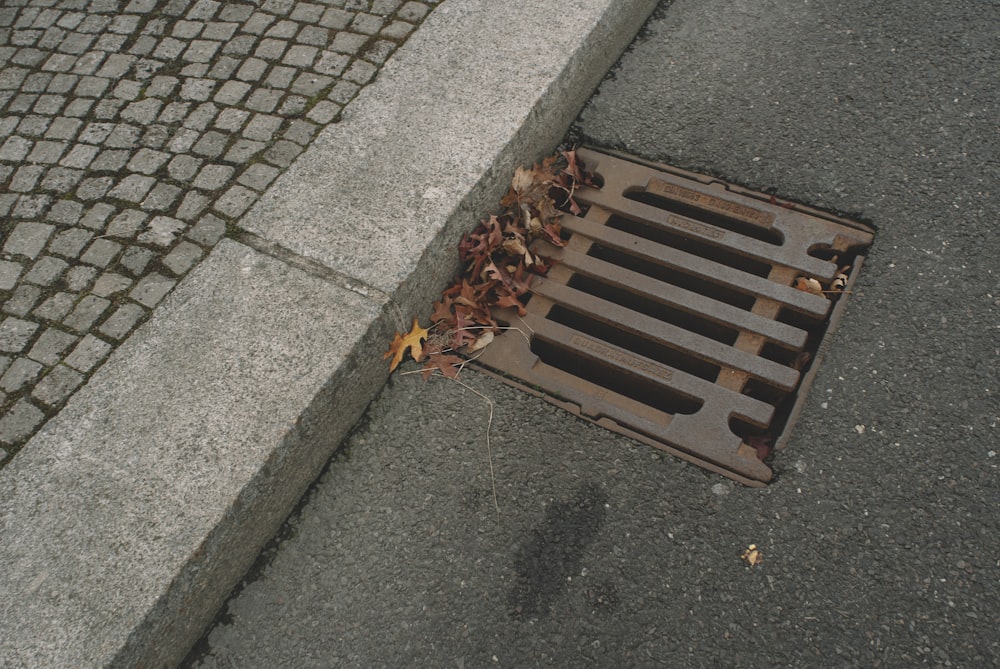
{"x":880,"y":536}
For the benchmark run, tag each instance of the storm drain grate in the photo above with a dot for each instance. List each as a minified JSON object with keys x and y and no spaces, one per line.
{"x":671,"y":315}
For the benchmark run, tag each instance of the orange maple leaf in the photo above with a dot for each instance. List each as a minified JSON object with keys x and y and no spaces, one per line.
{"x":411,"y":340}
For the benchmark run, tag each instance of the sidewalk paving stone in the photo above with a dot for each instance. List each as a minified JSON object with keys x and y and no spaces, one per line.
{"x":21,"y":372}
{"x":111,"y":113}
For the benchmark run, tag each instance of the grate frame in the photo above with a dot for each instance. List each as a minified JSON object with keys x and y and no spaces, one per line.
{"x":707,"y":271}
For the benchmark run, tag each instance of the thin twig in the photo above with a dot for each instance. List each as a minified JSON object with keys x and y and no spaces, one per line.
{"x":399,"y":314}
{"x":489,"y":448}
{"x":530,"y":329}
{"x":489,"y":426}
{"x":499,"y":327}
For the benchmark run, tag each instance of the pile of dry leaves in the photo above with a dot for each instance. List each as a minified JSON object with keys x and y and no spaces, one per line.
{"x":497,"y":265}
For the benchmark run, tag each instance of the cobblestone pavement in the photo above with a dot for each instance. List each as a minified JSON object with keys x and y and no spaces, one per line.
{"x":132,"y":136}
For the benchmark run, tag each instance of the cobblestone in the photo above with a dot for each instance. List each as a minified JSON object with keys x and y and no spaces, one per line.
{"x":126,"y":224}
{"x":135,"y":259}
{"x":133,"y":188}
{"x":46,"y":271}
{"x":101,"y":252}
{"x":182,"y":258}
{"x":28,"y":239}
{"x":50,"y":346}
{"x":69,"y":243}
{"x":208,"y":231}
{"x":212,"y":177}
{"x":55,"y":308}
{"x":19,"y":422}
{"x":110,"y":160}
{"x":324,"y":112}
{"x":343,"y":92}
{"x":235,"y":201}
{"x":397,"y":30}
{"x":121,"y":322}
{"x":211,"y":144}
{"x":161,"y":197}
{"x":130,"y":132}
{"x":21,"y":372}
{"x":148,"y":161}
{"x":243,"y":150}
{"x":110,"y":284}
{"x":151,"y":289}
{"x":15,"y":333}
{"x":194,"y":203}
{"x":367,"y":24}
{"x":161,"y":231}
{"x":413,"y":11}
{"x":88,"y":353}
{"x":57,"y":385}
{"x":361,"y":72}
{"x":22,"y":300}
{"x":88,"y":310}
{"x":183,"y":167}
{"x":379,"y":51}
{"x":349,"y":43}
{"x":9,"y":273}
{"x":80,"y":156}
{"x":258,"y":176}
{"x":98,"y":214}
{"x":15,"y":149}
{"x":282,"y":153}
{"x":78,"y":278}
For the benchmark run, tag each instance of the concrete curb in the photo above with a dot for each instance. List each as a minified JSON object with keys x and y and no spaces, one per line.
{"x":130,"y":516}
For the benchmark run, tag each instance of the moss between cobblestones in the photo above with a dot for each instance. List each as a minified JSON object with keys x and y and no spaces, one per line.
{"x":115,"y":71}
{"x":233,"y":231}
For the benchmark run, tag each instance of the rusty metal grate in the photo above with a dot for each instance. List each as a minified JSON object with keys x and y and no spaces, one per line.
{"x":671,"y":315}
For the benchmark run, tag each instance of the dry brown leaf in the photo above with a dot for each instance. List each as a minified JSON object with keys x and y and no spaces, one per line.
{"x":411,"y":340}
{"x":498,"y":263}
{"x":523,"y":179}
{"x":449,"y":365}
{"x":809,"y":285}
{"x":482,"y":341}
{"x":752,"y":555}
{"x":840,"y":281}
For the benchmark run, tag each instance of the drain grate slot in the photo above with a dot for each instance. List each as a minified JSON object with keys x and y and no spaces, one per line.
{"x":689,"y":320}
{"x":635,"y":342}
{"x":673,"y":277}
{"x":694,"y":213}
{"x":625,"y":384}
{"x":671,"y":313}
{"x":694,"y":247}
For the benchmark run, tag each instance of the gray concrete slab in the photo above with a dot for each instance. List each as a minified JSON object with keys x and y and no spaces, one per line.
{"x":144,"y":499}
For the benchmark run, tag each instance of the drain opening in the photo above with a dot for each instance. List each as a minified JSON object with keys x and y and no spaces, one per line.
{"x":634,"y":343}
{"x":685,"y":319}
{"x":675,"y":277}
{"x":633,"y":387}
{"x":671,"y":313}
{"x":693,"y":212}
{"x":692,"y":246}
